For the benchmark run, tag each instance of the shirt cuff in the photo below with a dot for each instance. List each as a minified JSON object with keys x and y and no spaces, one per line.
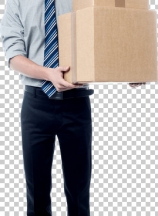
{"x":14,"y":51}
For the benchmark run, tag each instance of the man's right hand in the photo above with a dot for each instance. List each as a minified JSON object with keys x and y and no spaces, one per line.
{"x":55,"y":75}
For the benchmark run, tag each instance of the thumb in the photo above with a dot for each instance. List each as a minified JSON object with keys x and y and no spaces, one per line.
{"x":65,"y":68}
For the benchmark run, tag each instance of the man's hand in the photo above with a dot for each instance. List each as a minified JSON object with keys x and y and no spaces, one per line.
{"x":55,"y":75}
{"x":134,"y":85}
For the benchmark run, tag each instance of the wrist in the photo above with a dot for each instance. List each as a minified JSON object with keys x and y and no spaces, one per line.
{"x":45,"y":73}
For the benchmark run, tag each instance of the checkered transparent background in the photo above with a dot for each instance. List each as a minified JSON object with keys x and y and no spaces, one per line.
{"x":124,"y":149}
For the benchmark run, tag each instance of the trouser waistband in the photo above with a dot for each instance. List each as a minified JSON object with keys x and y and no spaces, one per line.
{"x":73,"y":93}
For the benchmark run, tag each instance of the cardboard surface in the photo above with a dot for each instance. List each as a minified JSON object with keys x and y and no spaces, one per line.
{"x":137,"y":4}
{"x":108,"y":44}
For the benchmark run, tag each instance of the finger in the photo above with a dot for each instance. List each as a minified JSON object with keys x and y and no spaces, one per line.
{"x":67,"y":84}
{"x":65,"y":89}
{"x":64,"y":68}
{"x":137,"y":84}
{"x":134,"y":86}
{"x":78,"y":84}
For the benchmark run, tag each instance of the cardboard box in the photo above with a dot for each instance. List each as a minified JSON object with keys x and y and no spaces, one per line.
{"x":139,"y":4}
{"x":108,"y":44}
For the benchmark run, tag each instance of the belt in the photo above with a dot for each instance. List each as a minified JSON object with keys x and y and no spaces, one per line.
{"x":73,"y":93}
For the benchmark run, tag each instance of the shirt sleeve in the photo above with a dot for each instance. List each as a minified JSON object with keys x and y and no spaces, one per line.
{"x":12,"y":32}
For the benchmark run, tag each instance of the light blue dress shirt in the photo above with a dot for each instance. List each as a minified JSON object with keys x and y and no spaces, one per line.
{"x":22,"y":31}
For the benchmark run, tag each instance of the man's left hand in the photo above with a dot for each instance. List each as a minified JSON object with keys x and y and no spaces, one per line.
{"x":134,"y":85}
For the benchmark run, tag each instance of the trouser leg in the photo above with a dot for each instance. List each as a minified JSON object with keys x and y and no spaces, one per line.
{"x":75,"y":137}
{"x":38,"y":142}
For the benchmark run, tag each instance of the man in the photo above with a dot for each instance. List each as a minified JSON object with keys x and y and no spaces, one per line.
{"x":67,"y":113}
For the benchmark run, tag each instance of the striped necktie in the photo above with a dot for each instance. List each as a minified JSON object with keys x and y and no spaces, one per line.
{"x":51,"y":57}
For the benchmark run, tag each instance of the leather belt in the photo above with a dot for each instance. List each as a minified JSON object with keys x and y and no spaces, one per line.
{"x":73,"y":93}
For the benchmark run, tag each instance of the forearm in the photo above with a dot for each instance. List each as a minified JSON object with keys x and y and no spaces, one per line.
{"x":29,"y":68}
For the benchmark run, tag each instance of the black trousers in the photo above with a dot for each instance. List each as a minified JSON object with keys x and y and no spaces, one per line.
{"x":41,"y":120}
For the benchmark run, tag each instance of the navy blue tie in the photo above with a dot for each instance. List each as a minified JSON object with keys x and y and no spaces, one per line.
{"x":51,"y":53}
